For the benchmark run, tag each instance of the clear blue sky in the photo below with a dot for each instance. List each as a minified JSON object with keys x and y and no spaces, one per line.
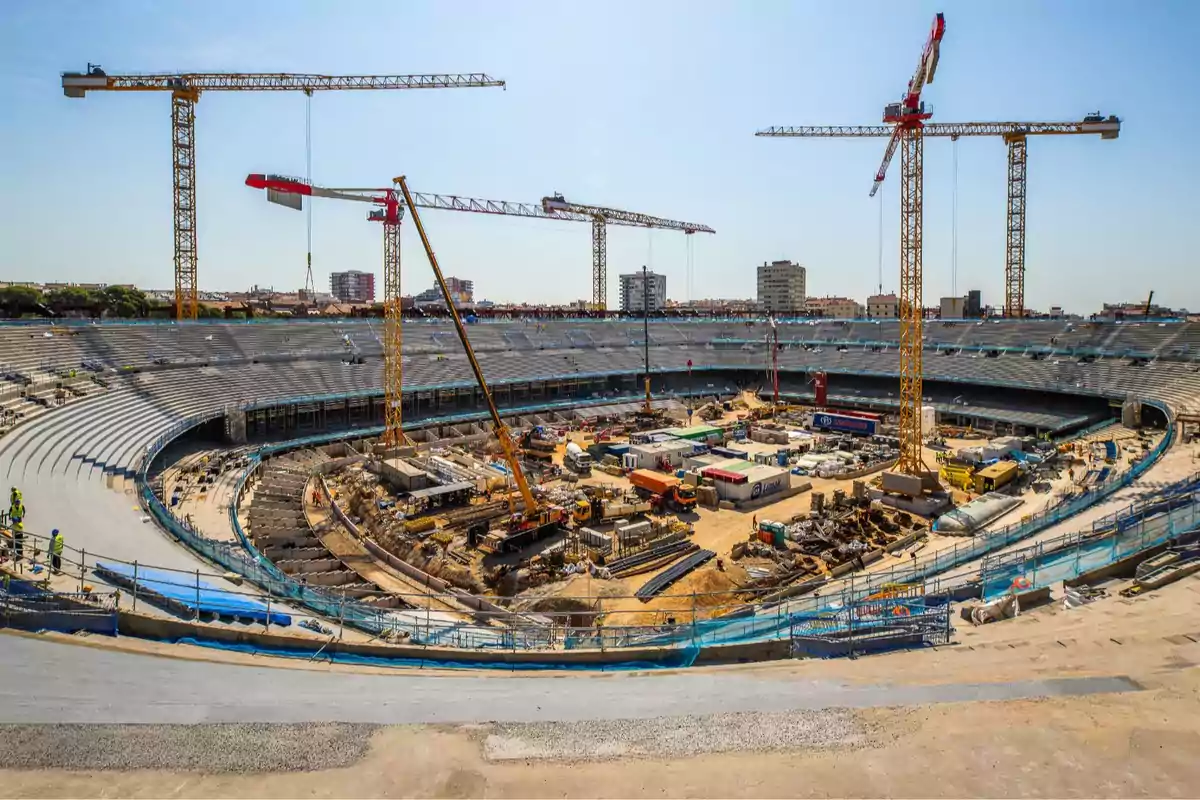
{"x":649,"y":106}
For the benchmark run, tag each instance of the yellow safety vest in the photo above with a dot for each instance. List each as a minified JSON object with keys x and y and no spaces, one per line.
{"x":56,"y":545}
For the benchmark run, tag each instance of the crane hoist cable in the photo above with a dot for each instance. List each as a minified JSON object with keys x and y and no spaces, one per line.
{"x":954,"y":220}
{"x":309,"y":284}
{"x":880,"y":241}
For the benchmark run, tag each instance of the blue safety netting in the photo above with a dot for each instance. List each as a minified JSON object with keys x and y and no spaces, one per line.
{"x":192,"y":593}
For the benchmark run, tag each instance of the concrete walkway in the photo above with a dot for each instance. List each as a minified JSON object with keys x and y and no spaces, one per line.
{"x":48,"y":681}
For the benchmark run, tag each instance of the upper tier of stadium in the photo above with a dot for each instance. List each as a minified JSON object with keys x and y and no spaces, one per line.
{"x":123,"y":345}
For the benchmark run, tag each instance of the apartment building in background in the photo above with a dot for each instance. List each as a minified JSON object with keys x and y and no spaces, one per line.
{"x":353,"y":286}
{"x":833,"y":307}
{"x":638,"y":292}
{"x":883,"y":306}
{"x":781,"y":288}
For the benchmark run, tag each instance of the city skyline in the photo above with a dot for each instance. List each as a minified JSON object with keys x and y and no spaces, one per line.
{"x":1096,"y":208}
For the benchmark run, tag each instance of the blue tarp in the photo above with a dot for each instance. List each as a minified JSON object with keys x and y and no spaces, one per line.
{"x":185,"y":590}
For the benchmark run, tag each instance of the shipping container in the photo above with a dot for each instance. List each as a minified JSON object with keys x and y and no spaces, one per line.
{"x":844,"y":423}
{"x":995,"y":476}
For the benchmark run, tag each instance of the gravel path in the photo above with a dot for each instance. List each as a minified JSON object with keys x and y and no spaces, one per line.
{"x":178,"y":748}
{"x":673,"y":737}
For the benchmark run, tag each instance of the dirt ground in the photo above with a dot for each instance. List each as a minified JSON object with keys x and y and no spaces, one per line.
{"x":1137,"y":744}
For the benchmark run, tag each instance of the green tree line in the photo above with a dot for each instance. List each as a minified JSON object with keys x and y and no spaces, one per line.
{"x":111,"y":301}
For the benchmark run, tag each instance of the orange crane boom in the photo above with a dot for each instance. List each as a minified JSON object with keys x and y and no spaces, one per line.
{"x":1014,"y":134}
{"x":185,"y":89}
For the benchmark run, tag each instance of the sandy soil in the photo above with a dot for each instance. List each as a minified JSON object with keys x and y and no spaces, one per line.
{"x":1140,"y":743}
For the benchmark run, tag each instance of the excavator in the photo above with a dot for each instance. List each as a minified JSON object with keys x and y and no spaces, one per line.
{"x":535,"y":519}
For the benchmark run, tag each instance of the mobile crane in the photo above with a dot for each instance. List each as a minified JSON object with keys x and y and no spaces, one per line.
{"x":536,"y":519}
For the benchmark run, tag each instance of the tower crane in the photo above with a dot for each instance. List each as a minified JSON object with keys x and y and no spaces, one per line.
{"x":1015,"y":135}
{"x":185,"y":89}
{"x":601,"y":217}
{"x":535,"y":516}
{"x":904,"y":124}
{"x":908,"y":118}
{"x":290,"y":192}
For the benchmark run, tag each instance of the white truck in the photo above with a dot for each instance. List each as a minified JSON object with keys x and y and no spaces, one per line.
{"x":577,"y":459}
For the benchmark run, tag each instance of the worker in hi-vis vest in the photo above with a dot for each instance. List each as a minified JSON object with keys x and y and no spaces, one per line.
{"x":56,"y":549}
{"x":18,"y":535}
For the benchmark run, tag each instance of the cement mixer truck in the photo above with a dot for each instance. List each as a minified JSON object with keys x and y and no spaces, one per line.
{"x":577,"y":459}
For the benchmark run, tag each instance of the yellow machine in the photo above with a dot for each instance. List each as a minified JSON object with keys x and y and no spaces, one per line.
{"x":995,"y":476}
{"x":533,"y":515}
{"x":957,"y":474}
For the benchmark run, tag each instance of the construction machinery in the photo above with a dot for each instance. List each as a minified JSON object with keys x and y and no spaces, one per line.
{"x":290,"y":192}
{"x":905,"y":122}
{"x":1014,"y":134}
{"x":577,"y":459}
{"x":601,"y":217}
{"x":535,"y":519}
{"x":666,"y":490}
{"x":185,"y":89}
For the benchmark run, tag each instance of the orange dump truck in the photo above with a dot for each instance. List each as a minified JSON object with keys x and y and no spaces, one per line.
{"x":678,"y":495}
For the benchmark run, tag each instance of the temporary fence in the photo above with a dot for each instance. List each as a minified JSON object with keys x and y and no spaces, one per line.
{"x":870,"y":625}
{"x":1140,"y":526}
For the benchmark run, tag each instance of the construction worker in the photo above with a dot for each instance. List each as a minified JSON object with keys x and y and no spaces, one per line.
{"x":56,"y":549}
{"x":16,"y":511}
{"x":14,"y":497}
{"x":18,"y":536}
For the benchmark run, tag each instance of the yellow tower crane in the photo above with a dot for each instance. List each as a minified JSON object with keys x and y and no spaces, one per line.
{"x":1014,"y":135}
{"x":290,"y":192}
{"x":185,"y":89}
{"x":556,"y":205}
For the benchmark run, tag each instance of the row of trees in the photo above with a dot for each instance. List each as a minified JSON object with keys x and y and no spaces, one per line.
{"x":111,"y":301}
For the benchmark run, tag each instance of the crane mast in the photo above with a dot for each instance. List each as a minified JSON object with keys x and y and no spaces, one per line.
{"x":601,"y":217}
{"x":185,"y":89}
{"x":507,"y":445}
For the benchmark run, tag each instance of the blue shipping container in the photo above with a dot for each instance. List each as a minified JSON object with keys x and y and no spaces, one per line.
{"x":844,"y":424}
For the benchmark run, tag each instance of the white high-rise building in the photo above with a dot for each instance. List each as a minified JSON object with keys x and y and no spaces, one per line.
{"x":635,"y":296}
{"x":781,"y":288}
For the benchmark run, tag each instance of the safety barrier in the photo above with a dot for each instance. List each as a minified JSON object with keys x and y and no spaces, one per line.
{"x":25,"y":605}
{"x":1141,"y":525}
{"x":870,"y":625}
